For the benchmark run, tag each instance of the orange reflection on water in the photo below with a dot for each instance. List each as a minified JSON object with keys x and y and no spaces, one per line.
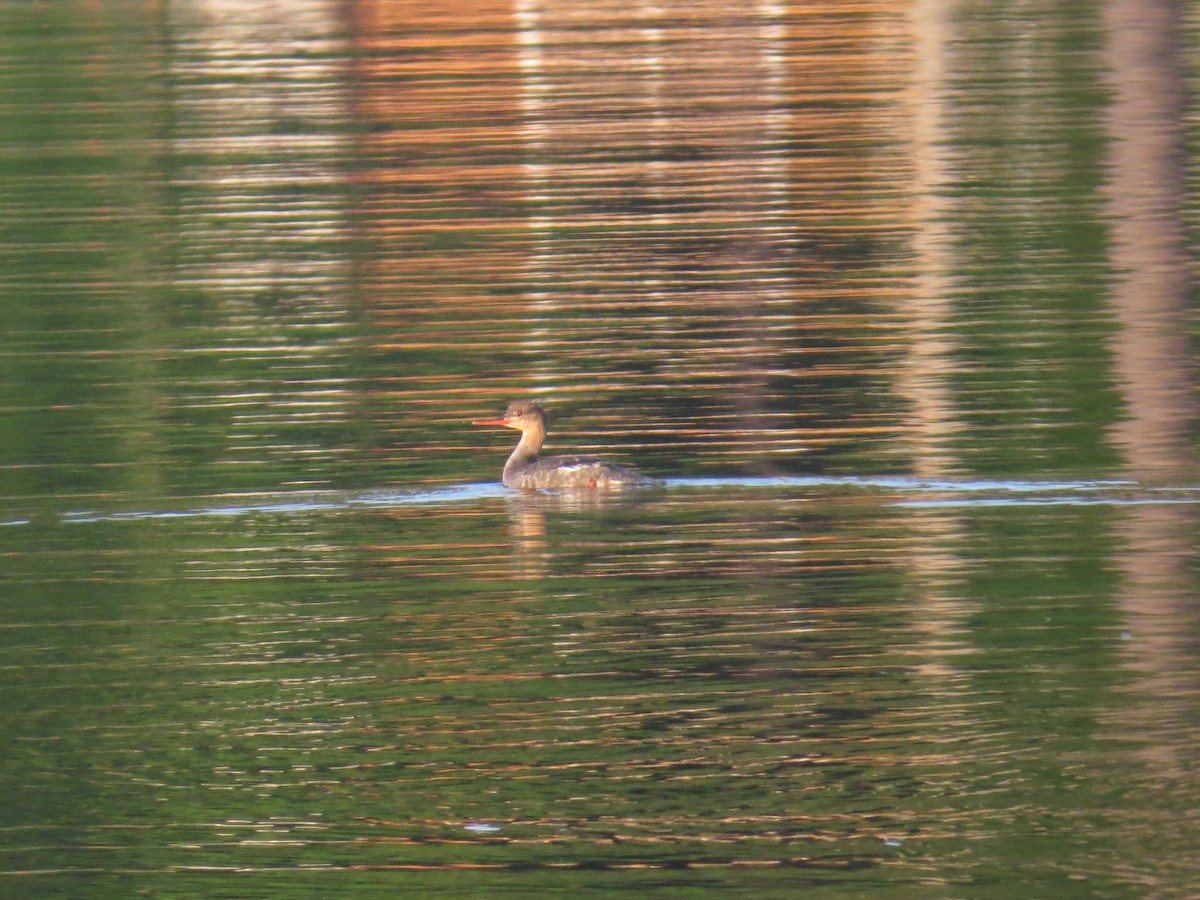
{"x":626,"y":212}
{"x":1155,"y":365}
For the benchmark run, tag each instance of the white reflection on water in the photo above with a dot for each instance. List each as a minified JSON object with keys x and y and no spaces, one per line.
{"x":949,"y":493}
{"x":1049,"y":501}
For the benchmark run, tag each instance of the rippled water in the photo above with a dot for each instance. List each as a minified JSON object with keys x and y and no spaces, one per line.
{"x":896,"y":298}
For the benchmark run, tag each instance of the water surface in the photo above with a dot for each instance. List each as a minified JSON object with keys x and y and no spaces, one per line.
{"x":895,"y":297}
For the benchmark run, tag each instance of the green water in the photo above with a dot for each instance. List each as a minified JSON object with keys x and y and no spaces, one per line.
{"x":897,"y":301}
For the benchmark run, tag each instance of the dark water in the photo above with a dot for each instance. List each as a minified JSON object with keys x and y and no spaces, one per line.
{"x":896,"y":297}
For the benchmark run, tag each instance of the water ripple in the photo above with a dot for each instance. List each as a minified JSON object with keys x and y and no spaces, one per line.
{"x":945,"y":493}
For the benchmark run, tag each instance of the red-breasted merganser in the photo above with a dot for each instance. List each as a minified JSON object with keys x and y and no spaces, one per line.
{"x":525,"y":471}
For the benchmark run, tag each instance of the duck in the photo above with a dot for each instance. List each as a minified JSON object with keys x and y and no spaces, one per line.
{"x":527,"y":470}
